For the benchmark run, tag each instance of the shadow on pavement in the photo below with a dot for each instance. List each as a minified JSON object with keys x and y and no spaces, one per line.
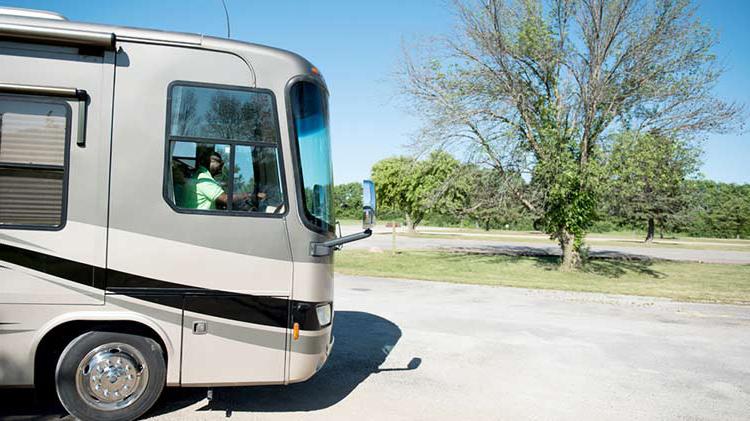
{"x":363,"y":342}
{"x":23,"y":404}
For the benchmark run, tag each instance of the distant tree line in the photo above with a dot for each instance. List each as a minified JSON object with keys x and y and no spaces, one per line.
{"x":650,"y":185}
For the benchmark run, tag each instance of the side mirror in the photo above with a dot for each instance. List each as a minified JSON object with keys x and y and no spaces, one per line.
{"x":368,"y":221}
{"x":368,"y":204}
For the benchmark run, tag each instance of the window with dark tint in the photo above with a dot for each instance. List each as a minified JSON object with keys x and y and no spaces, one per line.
{"x":310,"y":111}
{"x":223,"y":151}
{"x":33,"y":143}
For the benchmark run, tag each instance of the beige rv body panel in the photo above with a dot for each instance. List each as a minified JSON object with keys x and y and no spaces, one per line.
{"x":84,"y":236}
{"x":123,"y":253}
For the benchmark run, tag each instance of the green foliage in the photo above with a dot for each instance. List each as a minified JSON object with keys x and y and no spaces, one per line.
{"x":718,"y":210}
{"x":707,"y":208}
{"x":442,"y":186}
{"x":649,"y":178}
{"x":569,"y":177}
{"x":604,"y":225}
{"x":570,"y":204}
{"x":535,"y":37}
{"x":640,"y":176}
{"x":347,"y":200}
{"x":395,"y":188}
{"x":416,"y":187}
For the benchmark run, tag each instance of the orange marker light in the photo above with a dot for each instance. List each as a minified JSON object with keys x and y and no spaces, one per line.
{"x":295,"y":331}
{"x":315,"y":71}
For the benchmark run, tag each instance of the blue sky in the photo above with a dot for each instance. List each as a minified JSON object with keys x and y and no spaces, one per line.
{"x":356,"y":46}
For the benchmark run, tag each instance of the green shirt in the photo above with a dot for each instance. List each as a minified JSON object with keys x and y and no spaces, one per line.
{"x":206,"y":191}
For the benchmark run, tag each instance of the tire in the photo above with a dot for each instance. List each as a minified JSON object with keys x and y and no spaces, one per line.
{"x":110,"y":376}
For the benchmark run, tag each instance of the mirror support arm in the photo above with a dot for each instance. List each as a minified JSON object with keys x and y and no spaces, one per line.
{"x":327,"y":247}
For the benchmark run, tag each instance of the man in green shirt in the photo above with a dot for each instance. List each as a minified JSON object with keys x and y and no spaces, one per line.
{"x":208,"y":192}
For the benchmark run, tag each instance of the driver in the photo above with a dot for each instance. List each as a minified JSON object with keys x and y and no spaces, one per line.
{"x":208,"y":192}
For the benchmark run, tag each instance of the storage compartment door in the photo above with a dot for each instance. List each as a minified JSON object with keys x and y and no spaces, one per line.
{"x":234,"y":340}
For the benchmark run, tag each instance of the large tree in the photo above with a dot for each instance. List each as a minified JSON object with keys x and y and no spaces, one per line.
{"x":416,"y":187}
{"x":533,"y":86}
{"x":649,"y":178}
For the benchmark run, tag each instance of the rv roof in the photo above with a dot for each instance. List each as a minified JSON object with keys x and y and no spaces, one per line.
{"x":20,"y":21}
{"x":31,"y":13}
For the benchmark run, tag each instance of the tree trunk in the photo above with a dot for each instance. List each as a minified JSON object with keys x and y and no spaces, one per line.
{"x":650,"y":232}
{"x":410,"y":224}
{"x":570,"y":257}
{"x":416,"y":222}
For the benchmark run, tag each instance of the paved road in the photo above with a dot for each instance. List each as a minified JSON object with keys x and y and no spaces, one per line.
{"x":383,"y":241}
{"x":414,"y":350}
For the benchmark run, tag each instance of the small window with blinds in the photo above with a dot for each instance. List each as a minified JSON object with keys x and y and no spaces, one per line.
{"x":34,"y":133}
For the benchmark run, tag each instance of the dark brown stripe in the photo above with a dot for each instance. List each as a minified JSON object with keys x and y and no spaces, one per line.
{"x":263,"y":310}
{"x":62,"y":268}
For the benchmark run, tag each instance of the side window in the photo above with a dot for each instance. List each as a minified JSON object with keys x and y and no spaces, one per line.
{"x":223,"y":151}
{"x":34,"y":133}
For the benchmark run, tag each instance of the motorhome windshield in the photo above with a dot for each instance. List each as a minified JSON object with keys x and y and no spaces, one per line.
{"x":310,"y":111}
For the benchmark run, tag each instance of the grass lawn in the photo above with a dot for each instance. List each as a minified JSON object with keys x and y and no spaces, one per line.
{"x":677,"y":280}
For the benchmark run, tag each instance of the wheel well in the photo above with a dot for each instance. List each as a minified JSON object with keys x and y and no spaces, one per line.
{"x":54,"y":342}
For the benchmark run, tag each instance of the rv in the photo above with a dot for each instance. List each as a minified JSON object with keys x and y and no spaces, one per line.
{"x":166,"y":214}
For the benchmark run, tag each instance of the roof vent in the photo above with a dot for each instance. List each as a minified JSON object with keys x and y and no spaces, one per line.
{"x":31,"y":13}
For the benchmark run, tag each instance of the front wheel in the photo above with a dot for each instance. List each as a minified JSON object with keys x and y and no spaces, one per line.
{"x":110,"y":376}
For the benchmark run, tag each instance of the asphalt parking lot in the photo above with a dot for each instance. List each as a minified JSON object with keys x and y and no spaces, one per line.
{"x":415,"y":350}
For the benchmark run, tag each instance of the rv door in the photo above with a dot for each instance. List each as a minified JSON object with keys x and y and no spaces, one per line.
{"x":55,"y":120}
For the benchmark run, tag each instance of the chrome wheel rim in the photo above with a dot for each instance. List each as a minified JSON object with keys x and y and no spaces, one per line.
{"x":112,"y":376}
